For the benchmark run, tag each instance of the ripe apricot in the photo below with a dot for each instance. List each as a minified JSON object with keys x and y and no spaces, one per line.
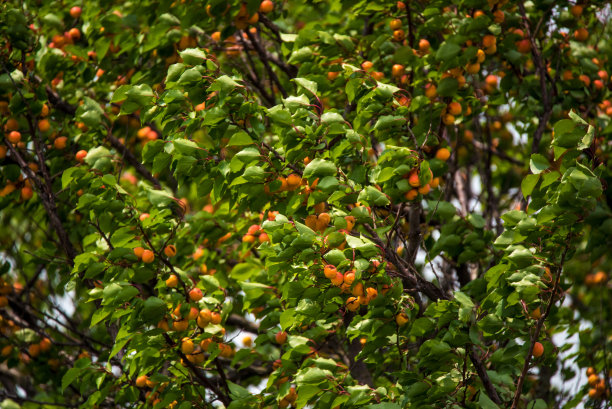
{"x":26,"y":193}
{"x":141,"y":381}
{"x":330,"y":271}
{"x":323,"y":221}
{"x":448,"y":119}
{"x":489,"y":41}
{"x":398,"y":35}
{"x":600,"y":278}
{"x":352,"y":304}
{"x":11,"y":124}
{"x":498,"y":16}
{"x":293,"y":181}
{"x":74,"y":34}
{"x":581,"y":34}
{"x":148,"y":256}
{"x":367,"y":65}
{"x":397,"y":70}
{"x":358,"y":290}
{"x":170,"y":250}
{"x":172,"y":281}
{"x":350,"y":222}
{"x":424,"y":45}
{"x":187,"y":346}
{"x":443,"y":154}
{"x":413,"y":179}
{"x":378,"y":75}
{"x":215,"y":318}
{"x":338,"y":280}
{"x":44,"y":125}
{"x":266,"y":6}
{"x":349,"y":278}
{"x":80,"y":155}
{"x":593,"y":379}
{"x":424,"y":189}
{"x":14,"y":137}
{"x":454,"y":108}
{"x":472,"y":68}
{"x":402,"y":319}
{"x":75,"y":12}
{"x":371,"y":293}
{"x":431,"y":91}
{"x":411,"y":194}
{"x":60,"y":142}
{"x":138,"y":251}
{"x":280,"y":337}
{"x":538,"y":350}
{"x":395,"y":24}
{"x":180,"y":325}
{"x":576,"y":10}
{"x":195,"y":294}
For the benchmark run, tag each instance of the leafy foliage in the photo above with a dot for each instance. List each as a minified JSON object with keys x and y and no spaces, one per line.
{"x":310,"y":204}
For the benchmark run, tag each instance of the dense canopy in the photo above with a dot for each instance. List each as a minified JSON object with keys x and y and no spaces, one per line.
{"x":320,"y":204}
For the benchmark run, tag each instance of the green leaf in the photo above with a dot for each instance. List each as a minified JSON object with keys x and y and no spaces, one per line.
{"x":373,"y":197}
{"x":153,"y":310}
{"x":240,"y":138}
{"x":193,"y":56}
{"x":447,"y":51}
{"x":313,"y":376}
{"x":538,"y":163}
{"x":448,"y":87}
{"x":70,"y":376}
{"x":100,"y":314}
{"x":331,"y":117}
{"x":529,"y":183}
{"x":485,"y":402}
{"x":320,"y":167}
{"x":307,"y":84}
{"x":185,"y":146}
{"x":383,"y":405}
{"x":388,"y":121}
{"x":120,"y":93}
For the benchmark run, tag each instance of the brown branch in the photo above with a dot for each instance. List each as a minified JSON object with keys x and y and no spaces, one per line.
{"x":281,"y":158}
{"x":241,"y":322}
{"x":482,"y":374}
{"x":542,"y":73}
{"x":131,"y":159}
{"x":48,"y":202}
{"x":265,"y":58}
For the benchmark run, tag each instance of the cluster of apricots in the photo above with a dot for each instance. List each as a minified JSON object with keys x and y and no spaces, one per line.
{"x":146,"y":134}
{"x":145,"y":255}
{"x":253,"y":231}
{"x":27,"y":352}
{"x":598,"y":388}
{"x":346,"y":282}
{"x":599,"y":278}
{"x":415,"y":182}
{"x":152,"y":397}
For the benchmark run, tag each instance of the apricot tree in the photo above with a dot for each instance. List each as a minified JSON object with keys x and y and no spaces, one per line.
{"x":333,"y":204}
